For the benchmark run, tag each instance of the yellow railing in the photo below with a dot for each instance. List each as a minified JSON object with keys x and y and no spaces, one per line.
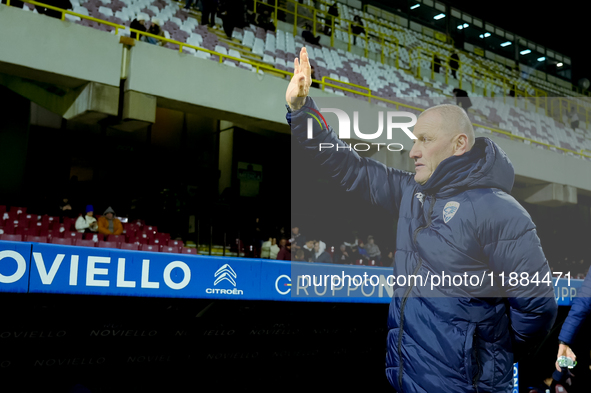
{"x":259,"y":66}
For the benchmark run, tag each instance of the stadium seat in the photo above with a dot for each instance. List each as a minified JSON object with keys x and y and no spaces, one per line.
{"x":9,"y":230}
{"x":150,"y":228}
{"x":62,"y":241}
{"x":171,"y":249}
{"x":36,"y":239}
{"x":12,"y":238}
{"x":18,"y":210}
{"x":176,"y":243}
{"x":116,"y":238}
{"x":73,"y":235}
{"x":84,"y":243}
{"x":149,"y":247}
{"x":189,"y":250}
{"x":103,"y":244}
{"x":32,"y":217}
{"x":95,"y":237}
{"x":29,"y":231}
{"x":129,"y":246}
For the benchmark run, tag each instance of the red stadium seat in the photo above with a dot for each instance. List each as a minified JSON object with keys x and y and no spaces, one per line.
{"x":164,"y":237}
{"x":32,"y":217}
{"x":30,"y":231}
{"x":18,"y":210}
{"x":189,"y":250}
{"x":178,"y":243}
{"x":149,"y":247}
{"x":150,"y":228}
{"x":156,"y":241}
{"x":96,"y":237}
{"x":39,"y":224}
{"x":116,"y":238}
{"x":359,"y":262}
{"x":12,"y":238}
{"x":62,"y":241}
{"x":145,"y":235}
{"x":73,"y":235}
{"x":36,"y":239}
{"x":84,"y":243}
{"x":22,"y":223}
{"x":129,"y":246}
{"x":107,"y":244}
{"x":171,"y":249}
{"x":69,"y":223}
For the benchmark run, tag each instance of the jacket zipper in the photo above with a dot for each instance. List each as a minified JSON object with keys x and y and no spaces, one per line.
{"x":475,"y":345}
{"x":405,"y":298}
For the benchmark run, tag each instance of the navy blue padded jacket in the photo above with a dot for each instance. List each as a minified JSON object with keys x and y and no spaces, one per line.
{"x":450,"y":338}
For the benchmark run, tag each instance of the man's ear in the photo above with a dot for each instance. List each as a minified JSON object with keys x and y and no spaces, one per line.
{"x":460,"y":144}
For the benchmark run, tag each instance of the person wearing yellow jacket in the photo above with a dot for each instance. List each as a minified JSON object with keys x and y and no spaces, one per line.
{"x":108,"y":224}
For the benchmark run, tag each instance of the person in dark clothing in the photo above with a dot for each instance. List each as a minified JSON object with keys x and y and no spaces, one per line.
{"x":15,"y":3}
{"x":314,"y":84}
{"x":343,"y":256}
{"x":454,"y":64}
{"x":264,"y":21}
{"x":357,"y":28}
{"x":308,"y":36}
{"x":456,"y":217}
{"x":285,"y":252}
{"x":64,"y":4}
{"x":137,"y":25}
{"x":333,"y":12}
{"x":462,"y":98}
{"x":232,"y":15}
{"x":320,"y":255}
{"x":210,"y":8}
{"x":66,"y":208}
{"x":436,"y":64}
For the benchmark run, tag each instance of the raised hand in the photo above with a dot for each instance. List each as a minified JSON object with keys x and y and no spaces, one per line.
{"x":299,"y":86}
{"x":564,"y":350}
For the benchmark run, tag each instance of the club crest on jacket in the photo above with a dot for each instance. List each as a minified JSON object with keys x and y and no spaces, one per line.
{"x":450,"y":210}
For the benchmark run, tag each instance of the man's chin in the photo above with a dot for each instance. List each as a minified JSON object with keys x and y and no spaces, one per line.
{"x":420,"y":180}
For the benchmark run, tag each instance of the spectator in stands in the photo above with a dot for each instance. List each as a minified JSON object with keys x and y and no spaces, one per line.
{"x":362,"y":250}
{"x":343,"y":256}
{"x":357,"y":28}
{"x":389,"y":259}
{"x":189,"y":3}
{"x":156,"y":30}
{"x":297,"y":239}
{"x":63,"y":4}
{"x":333,"y":12}
{"x":308,"y":36}
{"x":308,"y":249}
{"x":264,"y":21}
{"x":579,"y":311}
{"x":454,"y":64}
{"x":314,"y":84}
{"x":87,"y":223}
{"x":266,"y":249}
{"x":232,"y":15}
{"x":574,"y":119}
{"x":300,"y":256}
{"x":108,"y":224}
{"x":285,"y":252}
{"x":65,"y":208}
{"x":319,"y":255}
{"x":137,"y":24}
{"x":462,"y":99}
{"x":274,"y":249}
{"x":373,"y":250}
{"x":436,"y":64}
{"x":210,"y":8}
{"x":14,"y":3}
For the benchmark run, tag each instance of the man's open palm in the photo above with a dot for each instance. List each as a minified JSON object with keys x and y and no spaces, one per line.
{"x":299,"y":86}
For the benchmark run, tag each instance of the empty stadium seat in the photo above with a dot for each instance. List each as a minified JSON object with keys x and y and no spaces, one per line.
{"x":62,"y":241}
{"x":18,"y":210}
{"x":12,"y":238}
{"x":189,"y":250}
{"x":171,"y":249}
{"x":73,"y":235}
{"x":116,"y":238}
{"x":103,"y":244}
{"x":149,"y":247}
{"x":129,"y":246}
{"x":36,"y":239}
{"x":84,"y":243}
{"x":175,"y":243}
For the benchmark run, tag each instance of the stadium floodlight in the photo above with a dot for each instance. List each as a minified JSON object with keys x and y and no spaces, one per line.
{"x":485,"y":35}
{"x":541,"y":58}
{"x":559,"y":65}
{"x":440,"y":16}
{"x":415,"y":6}
{"x":525,"y":52}
{"x":466,"y":25}
{"x":504,"y":44}
{"x":460,"y":27}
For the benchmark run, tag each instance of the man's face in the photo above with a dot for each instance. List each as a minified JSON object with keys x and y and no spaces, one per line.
{"x":295,"y":230}
{"x":433,"y":145}
{"x":316,"y":247}
{"x":109,"y":216}
{"x":310,"y":244}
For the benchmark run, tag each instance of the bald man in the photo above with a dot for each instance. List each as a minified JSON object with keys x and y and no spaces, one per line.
{"x":456,"y":219}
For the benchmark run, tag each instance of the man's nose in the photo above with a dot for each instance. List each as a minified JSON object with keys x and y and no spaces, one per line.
{"x":414,"y":152}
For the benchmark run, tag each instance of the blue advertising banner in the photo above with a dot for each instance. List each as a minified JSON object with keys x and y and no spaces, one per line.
{"x":48,"y":268}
